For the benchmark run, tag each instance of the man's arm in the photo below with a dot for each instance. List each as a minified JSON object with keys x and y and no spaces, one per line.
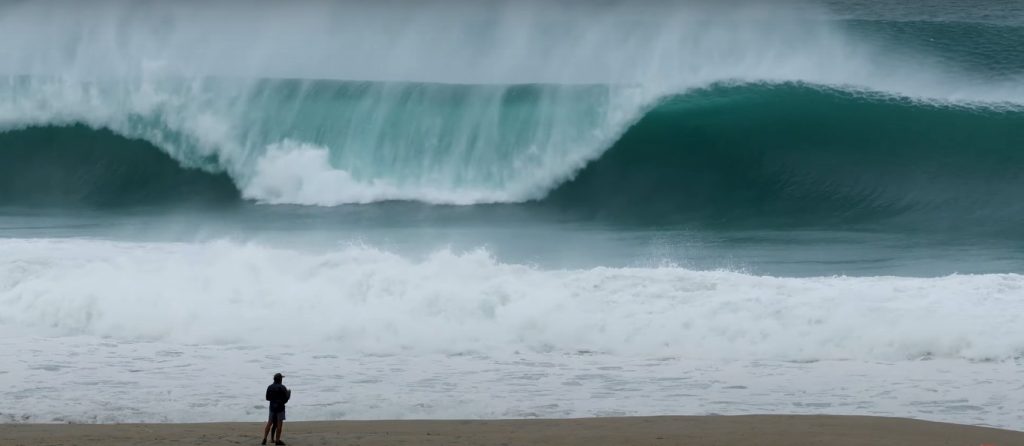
{"x":268,"y":393}
{"x":287,"y":394}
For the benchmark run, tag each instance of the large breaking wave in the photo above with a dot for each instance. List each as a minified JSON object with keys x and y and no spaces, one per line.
{"x":728,"y":152}
{"x":668,"y":109}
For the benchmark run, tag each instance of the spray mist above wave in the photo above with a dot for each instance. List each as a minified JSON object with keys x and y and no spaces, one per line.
{"x":456,"y":102}
{"x":365,"y":300}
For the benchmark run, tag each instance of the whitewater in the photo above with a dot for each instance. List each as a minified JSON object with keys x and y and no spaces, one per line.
{"x":143,"y":323}
{"x":372,"y":302}
{"x":511,"y":209}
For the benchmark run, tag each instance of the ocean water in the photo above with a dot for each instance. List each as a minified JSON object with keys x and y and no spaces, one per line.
{"x":495,"y":209}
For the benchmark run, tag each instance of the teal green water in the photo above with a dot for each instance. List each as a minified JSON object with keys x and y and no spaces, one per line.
{"x":774,"y":176}
{"x":752,"y":156}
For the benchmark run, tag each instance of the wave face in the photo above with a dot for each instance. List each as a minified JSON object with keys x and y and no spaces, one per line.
{"x":725,"y":111}
{"x":76,"y":165}
{"x":364,"y":300}
{"x":792,"y":152}
{"x":752,"y":153}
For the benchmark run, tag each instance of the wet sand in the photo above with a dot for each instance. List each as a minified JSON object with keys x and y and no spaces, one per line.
{"x":766,"y":430}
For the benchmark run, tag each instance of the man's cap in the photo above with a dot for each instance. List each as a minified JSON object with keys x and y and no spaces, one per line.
{"x":278,"y":375}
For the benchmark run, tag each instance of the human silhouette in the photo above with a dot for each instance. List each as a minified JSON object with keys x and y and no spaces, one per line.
{"x":278,"y":395}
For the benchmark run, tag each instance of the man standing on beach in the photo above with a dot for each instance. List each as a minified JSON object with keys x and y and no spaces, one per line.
{"x":278,"y":395}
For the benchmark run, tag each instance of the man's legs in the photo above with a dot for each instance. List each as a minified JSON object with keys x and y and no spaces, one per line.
{"x":280,"y":427}
{"x":266,"y":430}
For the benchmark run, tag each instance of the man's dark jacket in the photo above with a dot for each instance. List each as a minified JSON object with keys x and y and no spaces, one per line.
{"x":278,"y":396}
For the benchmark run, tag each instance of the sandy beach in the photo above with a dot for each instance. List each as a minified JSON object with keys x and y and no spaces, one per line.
{"x":761,"y":430}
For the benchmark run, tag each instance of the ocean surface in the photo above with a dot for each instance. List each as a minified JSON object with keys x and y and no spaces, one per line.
{"x":509,"y":209}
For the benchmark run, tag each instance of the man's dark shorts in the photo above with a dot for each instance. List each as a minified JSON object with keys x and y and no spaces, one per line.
{"x":276,"y":416}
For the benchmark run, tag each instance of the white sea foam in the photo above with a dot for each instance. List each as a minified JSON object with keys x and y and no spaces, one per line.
{"x":293,"y":172}
{"x":362,"y":300}
{"x":108,"y":381}
{"x":193,"y":79}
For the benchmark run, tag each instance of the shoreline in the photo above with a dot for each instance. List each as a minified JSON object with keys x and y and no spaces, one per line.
{"x":762,"y":430}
